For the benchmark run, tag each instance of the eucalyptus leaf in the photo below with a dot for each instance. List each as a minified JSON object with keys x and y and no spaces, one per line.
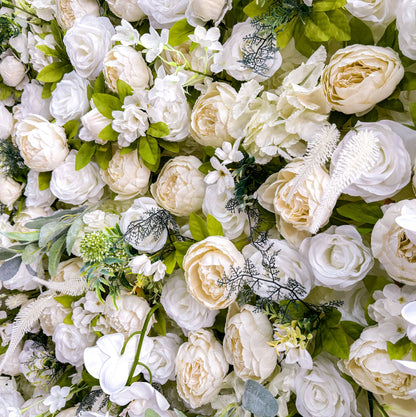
{"x":30,"y":253}
{"x":9,"y":268}
{"x":72,"y":234}
{"x":38,"y":222}
{"x":6,"y":254}
{"x":151,"y":413}
{"x":55,"y":253}
{"x":22,"y":237}
{"x":50,"y":231}
{"x":258,"y":400}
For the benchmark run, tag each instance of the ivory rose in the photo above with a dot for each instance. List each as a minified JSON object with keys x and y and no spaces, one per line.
{"x":126,"y":9}
{"x":199,"y":12}
{"x":10,"y":190}
{"x":69,"y":10}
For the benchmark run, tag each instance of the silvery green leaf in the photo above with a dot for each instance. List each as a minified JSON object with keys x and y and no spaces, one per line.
{"x":41,"y":221}
{"x":151,"y":413}
{"x":9,"y":268}
{"x":73,"y":233}
{"x":50,"y":231}
{"x":30,"y":253}
{"x":258,"y":400}
{"x":22,"y":237}
{"x":55,"y":253}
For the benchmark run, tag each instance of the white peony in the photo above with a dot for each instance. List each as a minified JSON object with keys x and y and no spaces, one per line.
{"x":12,"y":71}
{"x":376,"y":11}
{"x":128,"y":10}
{"x":77,"y":187}
{"x":163,"y":13}
{"x":67,"y":11}
{"x":199,"y":12}
{"x":6,"y":122}
{"x":10,"y":190}
{"x":406,"y":24}
{"x":32,"y":101}
{"x":87,"y":42}
{"x":53,"y":315}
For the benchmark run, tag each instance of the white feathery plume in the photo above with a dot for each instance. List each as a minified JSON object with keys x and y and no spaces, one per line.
{"x":74,"y":287}
{"x":25,"y":320}
{"x":356,"y":157}
{"x":319,"y":150}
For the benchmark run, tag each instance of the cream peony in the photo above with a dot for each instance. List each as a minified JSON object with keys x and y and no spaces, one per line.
{"x":247,"y":334}
{"x":376,"y":11}
{"x":200,"y":367}
{"x":180,"y":186}
{"x":93,"y":123}
{"x":128,"y":10}
{"x":6,"y":118}
{"x":125,"y":63}
{"x":12,"y":71}
{"x":42,"y":144}
{"x":205,"y":263}
{"x":359,"y":76}
{"x":210,"y":115}
{"x":406,"y":23}
{"x":199,"y":12}
{"x":10,"y":190}
{"x":126,"y":175}
{"x":69,"y":10}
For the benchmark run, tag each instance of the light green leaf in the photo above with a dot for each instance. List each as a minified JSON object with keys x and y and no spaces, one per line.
{"x":340,"y":29}
{"x":103,"y":155}
{"x":254,"y":9}
{"x":106,"y":104}
{"x":198,"y":227}
{"x":53,"y":72}
{"x":205,"y":167}
{"x":360,"y":33}
{"x":170,"y":262}
{"x":123,"y":89}
{"x":66,"y":300}
{"x":284,"y":36}
{"x":84,"y":155}
{"x":5,"y":91}
{"x":334,"y":341}
{"x":55,"y":253}
{"x":71,"y":128}
{"x":44,"y":179}
{"x":8,"y":269}
{"x":108,"y":134}
{"x":47,"y":90}
{"x":30,"y":253}
{"x":214,"y":226}
{"x":49,"y":51}
{"x":22,"y":237}
{"x":179,"y":413}
{"x":99,"y":84}
{"x":72,"y":233}
{"x":258,"y":400}
{"x":318,"y":27}
{"x":169,"y":146}
{"x":179,"y":32}
{"x":68,"y":318}
{"x":302,"y":43}
{"x":158,"y":130}
{"x":181,"y":249}
{"x":361,"y":212}
{"x":332,"y":318}
{"x":149,"y":149}
{"x":325,"y":5}
{"x":399,"y":349}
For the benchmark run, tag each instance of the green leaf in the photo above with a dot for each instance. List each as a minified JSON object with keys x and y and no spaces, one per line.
{"x":151,"y":413}
{"x":399,"y":349}
{"x":332,"y":318}
{"x":325,"y":5}
{"x":160,"y":325}
{"x":317,"y":27}
{"x":181,"y":249}
{"x":255,"y":9}
{"x":5,"y":91}
{"x":179,"y":32}
{"x":374,"y":283}
{"x":44,"y":179}
{"x":412,"y":109}
{"x":209,"y":150}
{"x":6,"y":254}
{"x":56,"y":32}
{"x":214,"y":226}
{"x":103,"y":155}
{"x":361,"y":212}
{"x":49,"y":51}
{"x":55,"y":253}
{"x":22,"y":237}
{"x":285,"y":34}
{"x":50,"y":231}
{"x":38,"y":222}
{"x":123,"y":89}
{"x":30,"y":253}
{"x":66,"y":300}
{"x":9,"y":268}
{"x":392,"y":104}
{"x":360,"y":33}
{"x":258,"y":400}
{"x":47,"y":90}
{"x":198,"y":227}
{"x":54,"y":72}
{"x":389,"y":37}
{"x":340,"y":29}
{"x":84,"y":155}
{"x":72,"y":234}
{"x":99,"y":84}
{"x":149,"y":149}
{"x":71,"y":128}
{"x":108,"y":134}
{"x":68,"y":318}
{"x":158,"y":130}
{"x":334,"y":341}
{"x":132,"y":147}
{"x":170,"y":262}
{"x":408,"y":82}
{"x":302,"y":43}
{"x":169,"y":146}
{"x":352,"y":329}
{"x":106,"y":104}
{"x":205,"y":167}
{"x":179,"y":413}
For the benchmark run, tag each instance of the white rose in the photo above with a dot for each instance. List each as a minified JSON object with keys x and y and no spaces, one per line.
{"x":338,"y":257}
{"x":181,"y":307}
{"x":127,"y":10}
{"x":77,"y":187}
{"x":163,"y":13}
{"x":130,"y":314}
{"x":201,"y":367}
{"x":142,"y":209}
{"x":230,"y":58}
{"x":10,"y":190}
{"x":205,"y":263}
{"x":125,"y":63}
{"x":42,"y":144}
{"x":69,"y":10}
{"x":377,"y":11}
{"x":180,"y":186}
{"x":199,"y":12}
{"x":52,"y":316}
{"x":392,"y":170}
{"x":32,"y":101}
{"x":210,"y":115}
{"x":12,"y":71}
{"x":370,"y":366}
{"x":392,"y":247}
{"x":87,"y":42}
{"x":322,"y":392}
{"x":246,"y":339}
{"x":45,"y":9}
{"x":93,"y":123}
{"x":6,"y":122}
{"x":68,"y":270}
{"x":9,"y":396}
{"x":359,"y":76}
{"x":299,"y":211}
{"x":69,"y":99}
{"x":406,"y":23}
{"x":126,"y":175}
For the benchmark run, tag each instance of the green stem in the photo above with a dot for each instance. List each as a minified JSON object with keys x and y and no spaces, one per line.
{"x":139,"y":347}
{"x":12,"y":6}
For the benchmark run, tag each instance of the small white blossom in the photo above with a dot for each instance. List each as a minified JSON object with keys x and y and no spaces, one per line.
{"x":126,"y":34}
{"x":221,"y":176}
{"x":154,"y":43}
{"x":57,"y":398}
{"x":207,"y":38}
{"x":229,"y":153}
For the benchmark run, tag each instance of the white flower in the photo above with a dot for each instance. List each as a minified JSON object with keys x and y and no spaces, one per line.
{"x":52,"y":316}
{"x":163,"y":13}
{"x":77,"y":187}
{"x":247,"y":334}
{"x":128,"y":10}
{"x":141,"y":209}
{"x":57,"y":398}
{"x":338,"y":257}
{"x":126,"y":34}
{"x":221,"y":177}
{"x":70,"y":10}
{"x":377,"y":11}
{"x":406,"y":23}
{"x":142,"y":265}
{"x":32,"y":101}
{"x":323,"y":392}
{"x":69,"y":99}
{"x":181,"y":307}
{"x":180,"y":187}
{"x":106,"y":362}
{"x":141,"y":396}
{"x":10,"y":398}
{"x":408,"y":313}
{"x":199,"y":12}
{"x":37,"y":58}
{"x":6,"y":122}
{"x":229,"y":153}
{"x":93,"y":123}
{"x":207,"y":38}
{"x":10,"y":190}
{"x":154,"y":43}
{"x":201,"y":367}
{"x":12,"y":71}
{"x":87,"y":42}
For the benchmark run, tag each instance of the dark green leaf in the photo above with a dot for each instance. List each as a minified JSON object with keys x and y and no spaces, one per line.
{"x":393,"y":104}
{"x":408,"y":82}
{"x":84,"y":155}
{"x":374,"y":283}
{"x":360,"y":33}
{"x":352,"y":329}
{"x":9,"y":268}
{"x":55,"y":253}
{"x":361,"y":212}
{"x":160,"y":325}
{"x":169,"y":146}
{"x":258,"y":400}
{"x":412,"y":109}
{"x":334,"y":341}
{"x":389,"y":38}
